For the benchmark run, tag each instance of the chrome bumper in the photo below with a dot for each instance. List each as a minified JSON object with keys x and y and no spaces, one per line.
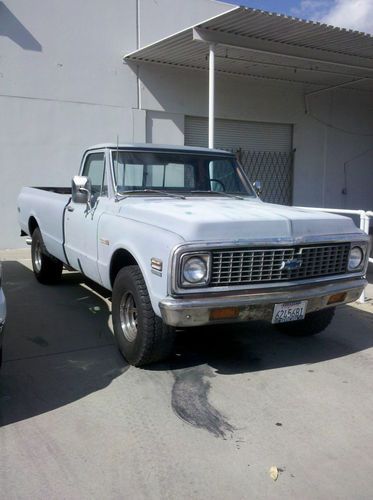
{"x":254,"y":305}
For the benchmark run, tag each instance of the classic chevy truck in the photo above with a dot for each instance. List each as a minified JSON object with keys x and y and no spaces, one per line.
{"x":181,"y":238}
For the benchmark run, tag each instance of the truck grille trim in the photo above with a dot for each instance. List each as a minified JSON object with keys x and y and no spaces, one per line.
{"x":242,"y":266}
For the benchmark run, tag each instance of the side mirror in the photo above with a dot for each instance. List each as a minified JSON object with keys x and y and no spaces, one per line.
{"x":258,"y":187}
{"x":81,"y":190}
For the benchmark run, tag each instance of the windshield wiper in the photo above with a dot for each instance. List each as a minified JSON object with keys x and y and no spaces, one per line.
{"x":223,"y":193}
{"x":124,"y":195}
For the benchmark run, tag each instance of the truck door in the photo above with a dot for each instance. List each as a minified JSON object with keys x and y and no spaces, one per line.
{"x":81,"y":222}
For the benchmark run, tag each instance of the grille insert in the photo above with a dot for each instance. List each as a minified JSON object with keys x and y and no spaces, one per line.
{"x":256,"y":265}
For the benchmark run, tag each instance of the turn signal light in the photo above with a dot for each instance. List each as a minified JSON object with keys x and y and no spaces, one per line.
{"x":337,"y":297}
{"x":226,"y":313}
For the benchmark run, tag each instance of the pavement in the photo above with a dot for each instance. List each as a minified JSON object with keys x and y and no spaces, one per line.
{"x":78,"y":423}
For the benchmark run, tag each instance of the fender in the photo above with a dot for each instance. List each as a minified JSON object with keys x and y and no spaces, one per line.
{"x":143,"y":242}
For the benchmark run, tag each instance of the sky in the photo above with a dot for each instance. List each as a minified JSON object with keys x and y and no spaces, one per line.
{"x":353,"y":14}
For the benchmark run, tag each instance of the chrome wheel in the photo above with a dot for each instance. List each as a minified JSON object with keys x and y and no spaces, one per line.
{"x":37,"y":256}
{"x":128,"y":316}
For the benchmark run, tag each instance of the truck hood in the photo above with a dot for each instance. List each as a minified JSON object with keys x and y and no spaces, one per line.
{"x":222,"y":219}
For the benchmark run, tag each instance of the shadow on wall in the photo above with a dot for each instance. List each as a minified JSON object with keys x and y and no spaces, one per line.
{"x":12,"y":28}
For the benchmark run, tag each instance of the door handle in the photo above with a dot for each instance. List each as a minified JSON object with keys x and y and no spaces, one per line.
{"x":70,"y":209}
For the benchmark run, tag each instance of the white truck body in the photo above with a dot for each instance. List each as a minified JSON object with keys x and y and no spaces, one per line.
{"x":154,"y":227}
{"x":2,"y":315}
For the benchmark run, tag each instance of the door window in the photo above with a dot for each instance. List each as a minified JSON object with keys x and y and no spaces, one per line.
{"x":94,"y":168}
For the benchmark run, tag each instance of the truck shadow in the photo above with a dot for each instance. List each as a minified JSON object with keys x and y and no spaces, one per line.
{"x":58,"y":347}
{"x":205,"y":353}
{"x":253,"y":346}
{"x":233,"y":349}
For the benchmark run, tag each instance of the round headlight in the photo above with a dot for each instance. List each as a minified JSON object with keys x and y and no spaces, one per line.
{"x":195,"y":270}
{"x":355,"y":259}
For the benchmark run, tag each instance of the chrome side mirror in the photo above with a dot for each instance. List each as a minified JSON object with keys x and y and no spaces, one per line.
{"x":258,"y":187}
{"x":81,"y":190}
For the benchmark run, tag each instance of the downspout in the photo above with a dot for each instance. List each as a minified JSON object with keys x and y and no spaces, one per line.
{"x":211,"y":94}
{"x":138,"y":42}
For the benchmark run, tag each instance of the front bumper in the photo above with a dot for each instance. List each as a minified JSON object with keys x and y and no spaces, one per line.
{"x":254,"y":304}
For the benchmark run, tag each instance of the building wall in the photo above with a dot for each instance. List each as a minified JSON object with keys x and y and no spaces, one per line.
{"x":162,"y":18}
{"x":64,"y":87}
{"x":336,"y":136}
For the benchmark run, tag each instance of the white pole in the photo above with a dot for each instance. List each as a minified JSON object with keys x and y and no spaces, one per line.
{"x":211,"y":94}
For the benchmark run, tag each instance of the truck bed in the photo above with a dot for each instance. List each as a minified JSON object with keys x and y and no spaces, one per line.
{"x":47,"y":206}
{"x":57,"y":190}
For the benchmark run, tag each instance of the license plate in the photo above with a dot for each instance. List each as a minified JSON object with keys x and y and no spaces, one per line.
{"x":289,"y":311}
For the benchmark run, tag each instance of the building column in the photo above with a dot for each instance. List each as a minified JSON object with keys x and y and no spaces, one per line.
{"x":211,"y":95}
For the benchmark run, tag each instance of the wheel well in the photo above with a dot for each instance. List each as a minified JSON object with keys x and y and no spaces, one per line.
{"x":32,"y":225}
{"x":121,"y":258}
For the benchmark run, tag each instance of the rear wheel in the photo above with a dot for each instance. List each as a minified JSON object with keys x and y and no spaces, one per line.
{"x":312,"y":324}
{"x":141,"y":336}
{"x":47,"y":269}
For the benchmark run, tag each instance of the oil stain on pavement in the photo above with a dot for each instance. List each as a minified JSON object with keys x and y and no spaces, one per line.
{"x":190,"y":401}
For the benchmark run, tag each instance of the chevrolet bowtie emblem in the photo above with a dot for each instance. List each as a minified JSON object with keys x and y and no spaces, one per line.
{"x":291,"y":265}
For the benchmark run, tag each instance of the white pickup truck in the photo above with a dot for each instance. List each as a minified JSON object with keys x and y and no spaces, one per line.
{"x":181,"y":238}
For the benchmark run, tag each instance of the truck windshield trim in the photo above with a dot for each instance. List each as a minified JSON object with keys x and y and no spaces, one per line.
{"x":178,"y":173}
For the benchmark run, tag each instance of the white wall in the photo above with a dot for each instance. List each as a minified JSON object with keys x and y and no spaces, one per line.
{"x":161,"y":18}
{"x":64,"y":87}
{"x":165,"y":128}
{"x":321,"y":150}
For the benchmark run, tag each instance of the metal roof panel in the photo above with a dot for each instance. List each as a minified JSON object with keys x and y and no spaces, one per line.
{"x":340,"y":48}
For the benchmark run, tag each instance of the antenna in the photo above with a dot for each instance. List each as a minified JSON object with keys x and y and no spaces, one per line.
{"x":117,"y":153}
{"x":117,"y":161}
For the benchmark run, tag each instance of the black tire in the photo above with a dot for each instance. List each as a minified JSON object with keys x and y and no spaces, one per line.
{"x":312,"y":324}
{"x":47,"y":269}
{"x":141,"y":336}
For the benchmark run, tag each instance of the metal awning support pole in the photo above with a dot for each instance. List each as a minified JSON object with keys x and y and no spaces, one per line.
{"x":211,"y":94}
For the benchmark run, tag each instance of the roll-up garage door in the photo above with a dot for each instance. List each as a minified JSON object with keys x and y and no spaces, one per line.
{"x":265,"y":151}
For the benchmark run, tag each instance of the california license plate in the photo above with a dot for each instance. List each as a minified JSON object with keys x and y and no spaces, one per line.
{"x":289,"y":311}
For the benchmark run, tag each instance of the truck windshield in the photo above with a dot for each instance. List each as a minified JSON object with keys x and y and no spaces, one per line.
{"x":178,"y":173}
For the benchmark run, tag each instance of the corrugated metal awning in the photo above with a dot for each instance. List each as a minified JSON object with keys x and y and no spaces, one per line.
{"x":256,"y":44}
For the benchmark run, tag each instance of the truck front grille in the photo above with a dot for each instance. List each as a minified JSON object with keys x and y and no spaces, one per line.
{"x":257,"y":265}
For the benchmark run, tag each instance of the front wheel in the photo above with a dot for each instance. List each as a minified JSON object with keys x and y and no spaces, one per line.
{"x":141,"y":336}
{"x":312,"y":324}
{"x":47,"y":269}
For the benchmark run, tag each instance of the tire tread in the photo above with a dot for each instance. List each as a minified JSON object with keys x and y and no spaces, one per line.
{"x":157,"y":338}
{"x":51,"y":268}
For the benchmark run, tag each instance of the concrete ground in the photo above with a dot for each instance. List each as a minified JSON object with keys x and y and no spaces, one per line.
{"x":78,"y":423}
